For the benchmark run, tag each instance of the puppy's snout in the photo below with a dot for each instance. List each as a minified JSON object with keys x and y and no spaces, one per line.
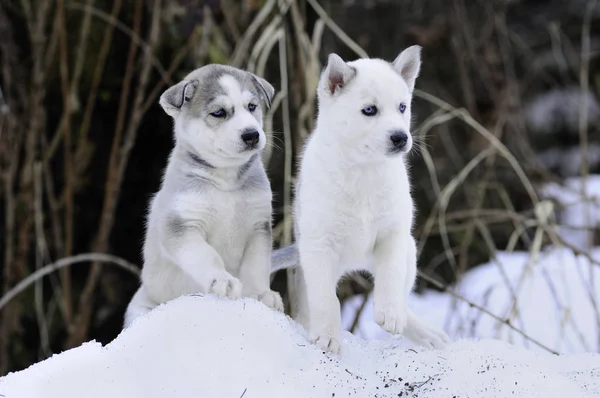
{"x":250,"y":138}
{"x":399,"y":139}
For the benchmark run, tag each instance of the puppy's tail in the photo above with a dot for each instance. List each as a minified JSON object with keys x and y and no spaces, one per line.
{"x":285,"y":257}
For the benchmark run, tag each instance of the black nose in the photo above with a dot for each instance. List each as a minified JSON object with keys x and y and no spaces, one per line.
{"x":251,"y":138}
{"x":399,"y":139}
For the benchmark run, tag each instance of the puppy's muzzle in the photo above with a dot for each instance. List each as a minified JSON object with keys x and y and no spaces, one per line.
{"x":251,"y":138}
{"x":398,"y":141}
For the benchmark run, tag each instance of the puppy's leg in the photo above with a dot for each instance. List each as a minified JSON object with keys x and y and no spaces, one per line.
{"x":417,"y":330}
{"x":139,"y":305}
{"x":255,"y":270}
{"x":391,"y":280}
{"x":322,"y":305}
{"x":203,"y":264}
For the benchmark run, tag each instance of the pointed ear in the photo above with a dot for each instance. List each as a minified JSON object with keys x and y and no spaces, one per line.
{"x":265,"y":88}
{"x":408,"y":65}
{"x":174,"y":97}
{"x":338,"y":72}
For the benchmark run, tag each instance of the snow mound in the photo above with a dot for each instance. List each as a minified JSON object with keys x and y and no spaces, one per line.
{"x":204,"y":347}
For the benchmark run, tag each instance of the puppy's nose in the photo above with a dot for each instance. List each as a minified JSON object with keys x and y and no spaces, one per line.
{"x":251,"y":138}
{"x":399,"y":139}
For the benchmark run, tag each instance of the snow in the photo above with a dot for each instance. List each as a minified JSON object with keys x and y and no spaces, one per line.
{"x":579,"y":216}
{"x":556,"y":297}
{"x":568,"y":161}
{"x":553,"y":303}
{"x":200,"y":346}
{"x":558,"y":110}
{"x":205,"y":347}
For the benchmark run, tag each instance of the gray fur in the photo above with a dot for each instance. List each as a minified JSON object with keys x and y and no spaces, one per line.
{"x":176,"y":226}
{"x":266,"y":227}
{"x":206,"y":88}
{"x":285,"y":257}
{"x":254,"y":180}
{"x":198,"y":161}
{"x":246,"y":166}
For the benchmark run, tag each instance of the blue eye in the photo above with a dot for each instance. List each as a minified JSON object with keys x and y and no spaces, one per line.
{"x":251,"y":107}
{"x":369,"y":110}
{"x":219,"y":113}
{"x":402,"y":108}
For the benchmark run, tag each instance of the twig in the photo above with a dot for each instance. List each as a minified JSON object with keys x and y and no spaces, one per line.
{"x":226,"y":6}
{"x":287,"y":231}
{"x":135,"y":37}
{"x":68,"y":171}
{"x":64,"y":262}
{"x":359,"y":311}
{"x":337,"y":30}
{"x":502,"y":149}
{"x":97,"y":76}
{"x":241,"y":49}
{"x":114,"y":182}
{"x":583,"y":127}
{"x":41,"y":255}
{"x":179,"y":57}
{"x":507,"y":322}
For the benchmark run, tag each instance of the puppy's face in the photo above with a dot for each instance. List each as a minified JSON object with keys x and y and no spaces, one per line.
{"x":367,"y":103}
{"x":218,"y":114}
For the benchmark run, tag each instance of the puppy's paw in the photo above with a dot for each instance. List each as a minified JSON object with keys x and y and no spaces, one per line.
{"x":226,"y":285}
{"x":327,"y":343}
{"x":392,"y":318}
{"x":270,"y":298}
{"x":427,"y":336}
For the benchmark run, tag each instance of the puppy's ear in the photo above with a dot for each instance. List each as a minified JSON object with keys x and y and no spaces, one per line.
{"x":338,"y":73}
{"x":264,"y":88}
{"x":176,"y":96}
{"x":408,"y":65}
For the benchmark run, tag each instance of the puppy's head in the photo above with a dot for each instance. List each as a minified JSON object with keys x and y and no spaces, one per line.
{"x":367,"y":103}
{"x":218,"y":114}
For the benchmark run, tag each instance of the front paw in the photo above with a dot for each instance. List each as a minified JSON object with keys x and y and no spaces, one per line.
{"x":392,"y":318}
{"x":226,"y":286}
{"x":271,"y":299}
{"x":327,"y":343}
{"x":426,"y":335}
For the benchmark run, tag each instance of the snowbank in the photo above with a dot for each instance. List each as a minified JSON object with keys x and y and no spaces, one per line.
{"x":579,"y":215}
{"x":554,"y":303}
{"x":203,"y":347}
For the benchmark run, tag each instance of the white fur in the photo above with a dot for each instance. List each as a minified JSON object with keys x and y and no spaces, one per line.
{"x":353,"y":202}
{"x":206,"y":231}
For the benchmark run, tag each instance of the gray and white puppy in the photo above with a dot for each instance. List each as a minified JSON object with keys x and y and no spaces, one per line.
{"x":209,"y":225}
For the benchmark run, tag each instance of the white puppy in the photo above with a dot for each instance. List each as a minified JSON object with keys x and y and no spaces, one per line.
{"x":209,"y":226}
{"x":353,"y":207}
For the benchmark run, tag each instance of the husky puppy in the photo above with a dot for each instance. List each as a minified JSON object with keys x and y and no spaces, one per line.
{"x":353,"y":208}
{"x":209,"y":226}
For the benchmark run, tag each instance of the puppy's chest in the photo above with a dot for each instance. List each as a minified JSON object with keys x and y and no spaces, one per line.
{"x":230,"y":218}
{"x":366,"y":210}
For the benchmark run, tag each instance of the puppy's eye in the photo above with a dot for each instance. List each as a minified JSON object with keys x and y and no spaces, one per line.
{"x":251,"y":107}
{"x":219,"y":113}
{"x":402,"y":108}
{"x":369,"y":110}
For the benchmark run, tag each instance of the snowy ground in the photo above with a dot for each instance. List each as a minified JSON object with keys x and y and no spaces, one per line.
{"x":555,"y":300}
{"x":553,"y":303}
{"x":203,"y":347}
